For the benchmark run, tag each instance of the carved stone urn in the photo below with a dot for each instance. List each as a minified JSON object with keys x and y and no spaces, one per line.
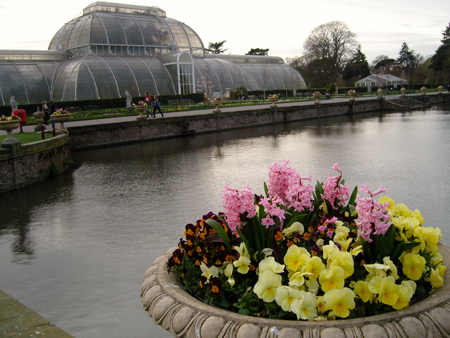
{"x":9,"y":126}
{"x":423,"y":90}
{"x":216,"y":103}
{"x":39,"y":116}
{"x":317,"y":95}
{"x":380,"y":93}
{"x":273,"y":99}
{"x":439,"y":88}
{"x":403,"y":90}
{"x":61,"y":118}
{"x":352,"y":94}
{"x":140,"y":108}
{"x":185,"y":316}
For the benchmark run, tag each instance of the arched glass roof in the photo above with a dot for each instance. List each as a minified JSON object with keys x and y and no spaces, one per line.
{"x":114,"y":47}
{"x":110,"y":27}
{"x":102,"y":77}
{"x":226,"y":75}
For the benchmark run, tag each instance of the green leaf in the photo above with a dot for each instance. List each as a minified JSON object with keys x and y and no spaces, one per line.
{"x":266,"y":189}
{"x":258,"y":238}
{"x":298,"y":218}
{"x":353,"y":196}
{"x":219,"y":230}
{"x":269,"y":237}
{"x":241,"y":235}
{"x":318,"y":191}
{"x":399,"y":249}
{"x":330,"y":209}
{"x":366,"y":250}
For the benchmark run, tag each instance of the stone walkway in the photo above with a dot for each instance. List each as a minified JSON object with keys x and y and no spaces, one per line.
{"x":16,"y":320}
{"x":30,"y":128}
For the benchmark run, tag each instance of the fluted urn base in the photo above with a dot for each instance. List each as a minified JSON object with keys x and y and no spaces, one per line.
{"x":184,"y":316}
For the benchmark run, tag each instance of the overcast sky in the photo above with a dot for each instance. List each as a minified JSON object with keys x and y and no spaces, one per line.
{"x":282,"y":26}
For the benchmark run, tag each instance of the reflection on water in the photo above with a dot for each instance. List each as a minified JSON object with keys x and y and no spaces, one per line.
{"x":75,"y":248}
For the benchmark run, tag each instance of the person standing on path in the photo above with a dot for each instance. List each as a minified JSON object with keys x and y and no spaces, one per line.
{"x":46,"y":114}
{"x":148,"y":100}
{"x":156,"y":106}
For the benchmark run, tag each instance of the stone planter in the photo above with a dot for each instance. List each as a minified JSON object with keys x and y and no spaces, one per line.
{"x":39,"y":116}
{"x":61,"y":118}
{"x":273,"y":99}
{"x":423,"y":90}
{"x":352,"y":94}
{"x":380,"y":93}
{"x":317,"y":95}
{"x":216,"y":103}
{"x":9,"y":126}
{"x":140,"y":108}
{"x":403,"y":90}
{"x":439,"y":88}
{"x":185,"y":316}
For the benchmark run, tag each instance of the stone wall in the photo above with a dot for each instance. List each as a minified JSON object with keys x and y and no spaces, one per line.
{"x":82,"y":137}
{"x":33,"y":162}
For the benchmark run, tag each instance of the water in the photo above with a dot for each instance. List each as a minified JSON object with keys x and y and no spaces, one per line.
{"x":75,"y":248}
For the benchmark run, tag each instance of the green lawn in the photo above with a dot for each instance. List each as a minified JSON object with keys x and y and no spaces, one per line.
{"x":25,"y":137}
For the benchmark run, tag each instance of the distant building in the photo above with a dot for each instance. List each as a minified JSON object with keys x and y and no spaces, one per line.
{"x":376,"y":80}
{"x":115,"y":47}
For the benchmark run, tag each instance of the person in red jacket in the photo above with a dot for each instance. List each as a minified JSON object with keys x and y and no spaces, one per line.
{"x":148,"y":100}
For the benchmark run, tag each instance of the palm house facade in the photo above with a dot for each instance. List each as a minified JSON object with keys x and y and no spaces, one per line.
{"x":113,"y":48}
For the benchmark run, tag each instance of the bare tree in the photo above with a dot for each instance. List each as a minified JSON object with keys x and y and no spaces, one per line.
{"x":332,"y":43}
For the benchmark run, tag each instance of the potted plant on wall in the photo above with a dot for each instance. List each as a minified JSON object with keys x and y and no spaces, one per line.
{"x":9,"y":124}
{"x":301,"y":259}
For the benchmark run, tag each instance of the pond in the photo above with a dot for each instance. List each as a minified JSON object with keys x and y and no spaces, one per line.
{"x":75,"y":248}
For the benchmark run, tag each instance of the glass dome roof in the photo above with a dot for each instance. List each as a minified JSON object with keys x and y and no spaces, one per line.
{"x":113,"y":48}
{"x":146,"y":30}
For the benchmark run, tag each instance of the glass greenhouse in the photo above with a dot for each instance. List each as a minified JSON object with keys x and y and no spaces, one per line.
{"x":113,"y":48}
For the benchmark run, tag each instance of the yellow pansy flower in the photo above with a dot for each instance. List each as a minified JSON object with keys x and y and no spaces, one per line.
{"x":441,"y":269}
{"x":242,"y":249}
{"x":320,"y":304}
{"x":361,"y":289}
{"x":435,"y":278}
{"x":285,"y":296}
{"x":296,"y":257}
{"x":314,"y":266}
{"x":305,"y":307}
{"x":386,"y":289}
{"x":332,"y":278}
{"x":344,"y":260}
{"x":269,"y":264}
{"x":393,"y":269}
{"x":209,"y":272}
{"x":413,"y":265}
{"x":328,"y":249}
{"x":295,"y":227}
{"x":267,"y":285}
{"x":297,"y":279}
{"x":242,"y":264}
{"x":404,"y":296}
{"x":340,"y":301}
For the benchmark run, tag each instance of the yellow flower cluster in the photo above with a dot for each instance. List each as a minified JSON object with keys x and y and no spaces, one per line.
{"x":325,"y":288}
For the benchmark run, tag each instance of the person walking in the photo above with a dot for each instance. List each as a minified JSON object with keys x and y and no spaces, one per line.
{"x":148,"y":100}
{"x":156,"y":106}
{"x":52,"y":107}
{"x":45,"y":111}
